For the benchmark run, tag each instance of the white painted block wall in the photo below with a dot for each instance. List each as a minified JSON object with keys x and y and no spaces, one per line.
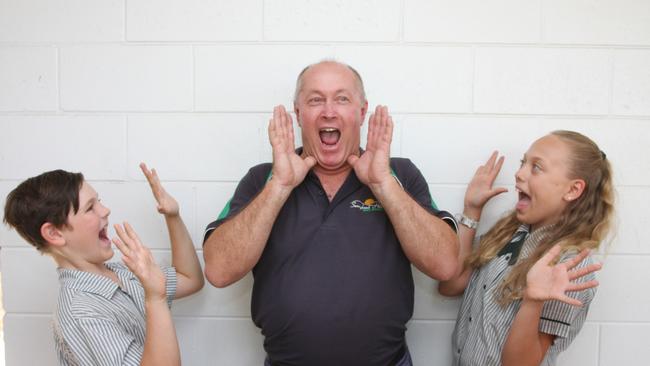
{"x":188,"y":86}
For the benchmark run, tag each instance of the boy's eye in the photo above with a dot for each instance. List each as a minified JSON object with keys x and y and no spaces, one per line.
{"x":537,"y":167}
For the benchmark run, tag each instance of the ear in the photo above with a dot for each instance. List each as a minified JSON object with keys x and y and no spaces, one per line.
{"x":52,"y":235}
{"x":576,"y":187}
{"x":364,"y":110}
{"x":297,"y":112}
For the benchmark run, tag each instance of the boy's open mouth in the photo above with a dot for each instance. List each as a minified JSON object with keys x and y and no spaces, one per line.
{"x":329,"y":135}
{"x":103,"y":235}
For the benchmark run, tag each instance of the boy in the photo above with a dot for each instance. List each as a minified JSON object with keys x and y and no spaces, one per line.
{"x":107,"y":313}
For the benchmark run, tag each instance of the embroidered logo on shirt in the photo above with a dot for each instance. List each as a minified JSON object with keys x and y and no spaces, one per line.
{"x":368,"y":205}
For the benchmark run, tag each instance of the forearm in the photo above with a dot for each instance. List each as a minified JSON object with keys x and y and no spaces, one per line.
{"x":525,"y":345}
{"x":160,"y":344}
{"x":234,"y":248}
{"x":456,"y":285}
{"x":184,"y":258}
{"x":428,"y":242}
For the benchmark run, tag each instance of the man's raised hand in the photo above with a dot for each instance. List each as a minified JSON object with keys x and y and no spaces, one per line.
{"x":373,"y":167}
{"x":289,"y":169}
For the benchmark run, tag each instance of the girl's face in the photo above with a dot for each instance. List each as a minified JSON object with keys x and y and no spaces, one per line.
{"x":543,"y":184}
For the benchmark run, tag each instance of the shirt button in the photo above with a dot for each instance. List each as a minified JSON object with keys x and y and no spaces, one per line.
{"x":321,"y":192}
{"x":459,"y":351}
{"x":470,"y":318}
{"x":484,"y":287}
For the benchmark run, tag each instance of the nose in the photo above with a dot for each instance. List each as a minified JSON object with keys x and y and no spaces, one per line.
{"x":105,"y":211}
{"x":520,"y":174}
{"x":329,"y":110}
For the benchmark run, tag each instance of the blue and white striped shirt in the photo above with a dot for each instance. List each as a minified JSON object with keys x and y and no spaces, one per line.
{"x":97,"y":322}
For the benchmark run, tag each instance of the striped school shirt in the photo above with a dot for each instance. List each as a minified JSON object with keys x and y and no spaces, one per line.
{"x":482,"y":325}
{"x":97,"y":322}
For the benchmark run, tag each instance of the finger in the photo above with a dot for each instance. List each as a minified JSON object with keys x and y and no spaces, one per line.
{"x":577,"y":259}
{"x":388,"y":135}
{"x":582,"y":286}
{"x":123,"y":235}
{"x":497,"y":167}
{"x":145,"y":170}
{"x":123,"y":248}
{"x":489,"y":164}
{"x":497,"y":191}
{"x":570,"y":300}
{"x":132,"y":234}
{"x":584,"y":271}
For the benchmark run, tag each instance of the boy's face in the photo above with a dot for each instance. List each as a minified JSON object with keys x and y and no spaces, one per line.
{"x":86,"y":235}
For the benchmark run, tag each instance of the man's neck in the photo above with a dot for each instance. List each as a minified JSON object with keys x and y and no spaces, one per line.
{"x":332,"y":180}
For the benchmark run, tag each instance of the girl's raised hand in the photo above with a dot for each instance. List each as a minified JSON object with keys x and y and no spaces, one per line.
{"x":551,"y":282}
{"x":479,"y":190}
{"x":167,"y":205}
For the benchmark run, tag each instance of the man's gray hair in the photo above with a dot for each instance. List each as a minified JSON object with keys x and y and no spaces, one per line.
{"x":357,"y":76}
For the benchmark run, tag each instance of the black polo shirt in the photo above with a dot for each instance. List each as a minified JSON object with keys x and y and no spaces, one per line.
{"x":333,"y":286}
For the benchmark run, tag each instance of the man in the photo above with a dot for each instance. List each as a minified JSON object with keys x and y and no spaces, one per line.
{"x":330,"y":231}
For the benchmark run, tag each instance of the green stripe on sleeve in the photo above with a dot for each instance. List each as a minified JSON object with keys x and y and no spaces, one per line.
{"x":225,"y":211}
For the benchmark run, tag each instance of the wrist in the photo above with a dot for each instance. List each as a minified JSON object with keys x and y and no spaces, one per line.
{"x":380,"y":189}
{"x":472,"y":213}
{"x":467,"y":221}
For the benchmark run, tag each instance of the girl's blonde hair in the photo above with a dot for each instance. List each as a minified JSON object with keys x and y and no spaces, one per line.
{"x":584,"y":223}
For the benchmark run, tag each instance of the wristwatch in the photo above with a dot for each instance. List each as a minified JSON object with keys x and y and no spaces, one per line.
{"x":464,"y":220}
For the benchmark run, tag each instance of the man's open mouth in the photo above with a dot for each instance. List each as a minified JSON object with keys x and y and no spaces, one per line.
{"x":329,"y":135}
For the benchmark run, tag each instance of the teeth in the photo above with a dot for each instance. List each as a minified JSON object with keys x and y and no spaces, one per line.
{"x":329,"y":130}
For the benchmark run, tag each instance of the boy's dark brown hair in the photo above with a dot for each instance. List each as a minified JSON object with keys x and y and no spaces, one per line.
{"x":45,"y":198}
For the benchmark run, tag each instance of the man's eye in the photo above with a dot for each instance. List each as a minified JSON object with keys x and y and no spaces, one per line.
{"x":343,"y":99}
{"x":315,"y":100}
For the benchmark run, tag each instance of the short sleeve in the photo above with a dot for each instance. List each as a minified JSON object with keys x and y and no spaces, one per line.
{"x":170,"y":283}
{"x":247,"y":189}
{"x":101,"y":342}
{"x":558,"y":317}
{"x":412,"y":180}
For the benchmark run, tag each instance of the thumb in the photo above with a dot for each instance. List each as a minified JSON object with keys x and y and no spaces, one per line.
{"x":352,"y":159}
{"x":310,"y":161}
{"x":498,"y":191}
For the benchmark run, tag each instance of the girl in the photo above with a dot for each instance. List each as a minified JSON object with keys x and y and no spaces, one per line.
{"x":521,"y":304}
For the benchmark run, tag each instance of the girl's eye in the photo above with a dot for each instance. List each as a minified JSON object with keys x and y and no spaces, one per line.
{"x":537,"y":168}
{"x":90,"y":208}
{"x":522,"y":162}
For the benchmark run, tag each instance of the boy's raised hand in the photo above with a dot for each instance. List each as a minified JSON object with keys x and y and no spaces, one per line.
{"x":167,"y":205}
{"x":551,"y":282}
{"x":139,"y":260}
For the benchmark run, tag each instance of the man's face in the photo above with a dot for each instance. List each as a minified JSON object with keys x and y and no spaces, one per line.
{"x":330,"y":111}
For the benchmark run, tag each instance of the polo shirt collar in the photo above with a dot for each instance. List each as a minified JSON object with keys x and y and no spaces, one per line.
{"x":93,"y":283}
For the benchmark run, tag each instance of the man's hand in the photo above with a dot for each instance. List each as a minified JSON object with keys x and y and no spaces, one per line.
{"x":167,"y":205}
{"x":139,"y":260}
{"x":546,"y":282}
{"x":373,"y":167}
{"x":479,"y":190}
{"x":289,"y":169}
